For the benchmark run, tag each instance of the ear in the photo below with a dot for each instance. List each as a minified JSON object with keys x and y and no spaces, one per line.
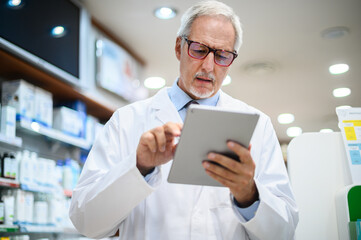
{"x":178,"y":47}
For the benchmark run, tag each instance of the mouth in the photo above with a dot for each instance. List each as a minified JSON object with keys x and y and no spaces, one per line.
{"x":205,"y":80}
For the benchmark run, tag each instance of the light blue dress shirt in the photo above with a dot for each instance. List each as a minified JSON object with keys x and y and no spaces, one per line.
{"x":180,"y":99}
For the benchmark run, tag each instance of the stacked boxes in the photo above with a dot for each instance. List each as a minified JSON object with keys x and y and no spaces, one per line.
{"x":31,"y":103}
{"x":43,"y":110}
{"x":20,"y":95}
{"x":25,"y":102}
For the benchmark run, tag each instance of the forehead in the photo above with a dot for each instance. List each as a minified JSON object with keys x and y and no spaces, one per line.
{"x":214,"y":31}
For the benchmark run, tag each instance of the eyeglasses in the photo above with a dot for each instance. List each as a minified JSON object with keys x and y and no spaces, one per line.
{"x":200,"y":51}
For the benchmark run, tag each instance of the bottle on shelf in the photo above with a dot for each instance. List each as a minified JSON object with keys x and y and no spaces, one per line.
{"x":24,"y":168}
{"x":9,"y":202}
{"x":8,"y":164}
{"x":2,"y":210}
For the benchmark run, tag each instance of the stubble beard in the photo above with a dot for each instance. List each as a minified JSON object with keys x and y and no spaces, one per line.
{"x":199,"y":94}
{"x":203,"y":94}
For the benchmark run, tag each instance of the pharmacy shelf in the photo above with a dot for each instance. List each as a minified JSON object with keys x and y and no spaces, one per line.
{"x":16,"y":141}
{"x":13,"y":67}
{"x":40,"y":229}
{"x":9,"y":228}
{"x":28,"y":228}
{"x":38,"y":189}
{"x":54,"y":134}
{"x":5,"y":182}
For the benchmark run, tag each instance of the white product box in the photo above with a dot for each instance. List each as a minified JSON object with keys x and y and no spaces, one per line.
{"x":43,"y":111}
{"x":8,"y":121}
{"x":20,"y":95}
{"x":68,"y":121}
{"x":90,"y":128}
{"x":98,"y":128}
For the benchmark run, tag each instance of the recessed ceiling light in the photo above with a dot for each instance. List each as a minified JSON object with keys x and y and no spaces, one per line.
{"x":260,"y":68}
{"x":326,"y":130}
{"x":227,"y":81}
{"x":165,"y":13}
{"x":154,"y":82}
{"x":343,"y":107}
{"x":15,"y":4}
{"x":294,"y":131}
{"x":341,"y":92}
{"x":335,"y":32}
{"x":58,"y":31}
{"x":286,"y":118}
{"x":338,"y":68}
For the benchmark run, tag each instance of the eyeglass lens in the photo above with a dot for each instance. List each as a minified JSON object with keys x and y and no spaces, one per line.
{"x":200,"y":51}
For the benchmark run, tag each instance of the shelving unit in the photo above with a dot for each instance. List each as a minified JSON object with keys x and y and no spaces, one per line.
{"x":12,"y":67}
{"x":8,"y":228}
{"x":54,"y":134}
{"x":5,"y":182}
{"x":35,"y":229}
{"x":44,"y":229}
{"x":17,"y":142}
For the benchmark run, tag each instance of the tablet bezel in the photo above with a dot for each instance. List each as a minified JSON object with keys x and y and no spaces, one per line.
{"x":206,"y":129}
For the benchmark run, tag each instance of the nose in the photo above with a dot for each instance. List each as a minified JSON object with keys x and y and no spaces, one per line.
{"x":208,"y":63}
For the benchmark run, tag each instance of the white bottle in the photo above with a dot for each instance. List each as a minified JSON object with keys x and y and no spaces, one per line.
{"x":41,"y":209}
{"x":19,"y":216}
{"x":29,"y":207}
{"x":40,"y":172}
{"x":9,"y":202}
{"x":24,"y":169}
{"x":2,"y":211}
{"x":67,"y":175}
{"x":17,"y":161}
{"x":33,"y":170}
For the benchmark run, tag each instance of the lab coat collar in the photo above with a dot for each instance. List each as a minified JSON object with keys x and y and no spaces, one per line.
{"x":167,"y":112}
{"x":165,"y":109}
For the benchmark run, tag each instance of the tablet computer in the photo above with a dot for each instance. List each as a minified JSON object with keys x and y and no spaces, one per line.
{"x":207,"y":129}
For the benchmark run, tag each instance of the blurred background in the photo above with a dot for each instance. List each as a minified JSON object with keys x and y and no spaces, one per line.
{"x":283,"y":64}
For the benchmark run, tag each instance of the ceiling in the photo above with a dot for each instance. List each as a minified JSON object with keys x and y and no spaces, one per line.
{"x":282,"y":65}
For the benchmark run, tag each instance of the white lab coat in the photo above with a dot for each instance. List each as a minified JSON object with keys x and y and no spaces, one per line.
{"x":112,"y":194}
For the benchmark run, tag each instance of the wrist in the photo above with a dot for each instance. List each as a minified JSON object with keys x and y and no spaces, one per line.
{"x":246,"y":202}
{"x":144,"y":170}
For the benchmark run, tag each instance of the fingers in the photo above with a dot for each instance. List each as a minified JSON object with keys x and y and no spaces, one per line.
{"x":237,"y":176}
{"x":148,"y":139}
{"x":172,"y":130}
{"x":243,"y":153}
{"x":161,"y":138}
{"x":230,"y":169}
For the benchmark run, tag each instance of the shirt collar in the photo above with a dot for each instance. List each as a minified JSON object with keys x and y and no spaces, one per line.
{"x":180,"y":98}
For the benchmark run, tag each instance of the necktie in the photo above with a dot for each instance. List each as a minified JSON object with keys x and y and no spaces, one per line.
{"x":189,"y":103}
{"x":183,"y":111}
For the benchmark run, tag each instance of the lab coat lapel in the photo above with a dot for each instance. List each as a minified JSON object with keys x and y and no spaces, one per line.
{"x":224,"y":100}
{"x":165,"y":110}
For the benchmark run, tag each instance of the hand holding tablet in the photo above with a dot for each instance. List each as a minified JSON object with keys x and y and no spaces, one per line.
{"x":207,"y":129}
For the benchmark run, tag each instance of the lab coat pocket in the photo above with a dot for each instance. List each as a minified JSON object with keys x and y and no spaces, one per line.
{"x":226,"y":224}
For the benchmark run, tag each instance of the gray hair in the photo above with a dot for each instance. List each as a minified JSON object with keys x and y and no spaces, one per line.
{"x":211,"y":8}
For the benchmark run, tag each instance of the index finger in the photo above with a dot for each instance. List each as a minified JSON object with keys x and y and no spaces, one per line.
{"x":172,"y":129}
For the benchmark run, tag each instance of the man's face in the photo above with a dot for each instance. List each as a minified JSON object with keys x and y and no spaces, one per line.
{"x":203,"y":78}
